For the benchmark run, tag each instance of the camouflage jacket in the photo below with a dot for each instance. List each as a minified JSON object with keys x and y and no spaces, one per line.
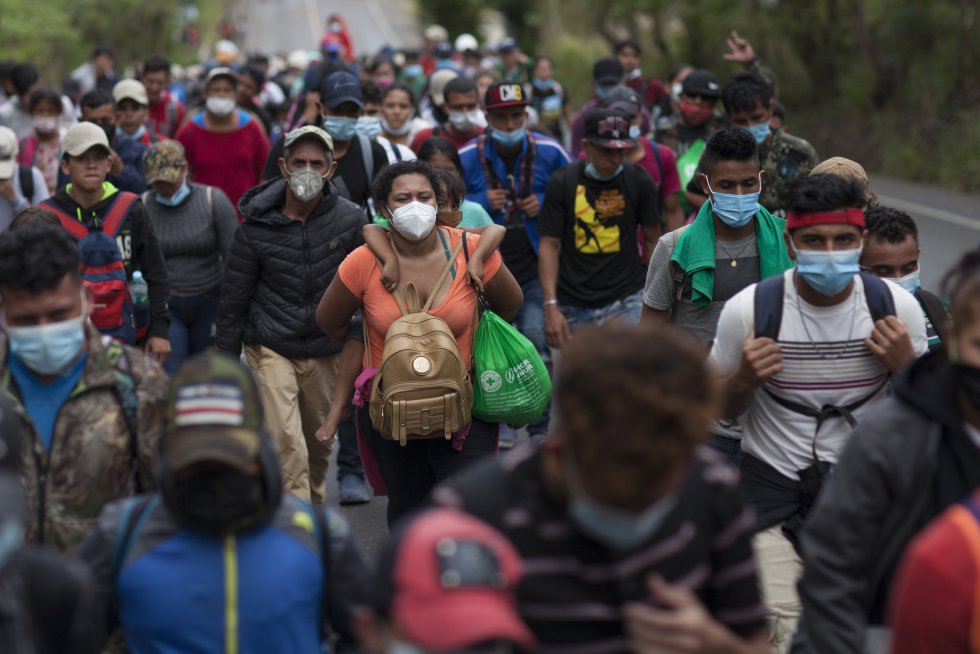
{"x":91,"y":461}
{"x":785,"y":159}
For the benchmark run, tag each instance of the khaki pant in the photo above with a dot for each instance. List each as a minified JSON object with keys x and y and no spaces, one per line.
{"x":780,"y":568}
{"x":296,"y":396}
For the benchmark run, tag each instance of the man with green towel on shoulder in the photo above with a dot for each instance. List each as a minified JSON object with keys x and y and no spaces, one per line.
{"x":732,"y":243}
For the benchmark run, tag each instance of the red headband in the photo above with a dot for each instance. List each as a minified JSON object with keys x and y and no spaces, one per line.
{"x":795,"y":220}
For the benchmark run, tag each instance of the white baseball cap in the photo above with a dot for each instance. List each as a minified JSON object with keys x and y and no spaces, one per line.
{"x":130,"y":89}
{"x":8,"y":152}
{"x":82,"y":137}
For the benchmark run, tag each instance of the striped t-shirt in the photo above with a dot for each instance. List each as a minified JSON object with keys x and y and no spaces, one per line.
{"x":574,"y":588}
{"x":825,"y":362}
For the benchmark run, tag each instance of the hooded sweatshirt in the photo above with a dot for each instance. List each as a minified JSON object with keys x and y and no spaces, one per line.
{"x":137,"y":244}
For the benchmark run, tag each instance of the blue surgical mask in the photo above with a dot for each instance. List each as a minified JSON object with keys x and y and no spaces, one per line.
{"x":176,"y":198}
{"x":828,"y":272}
{"x":49,"y":349}
{"x":759,"y":131}
{"x":592,"y":172}
{"x":135,"y":136}
{"x":543,"y":84}
{"x":602,"y":92}
{"x":508,"y":139}
{"x":734,"y":210}
{"x":369,"y":126}
{"x":909,"y":282}
{"x":635,"y":132}
{"x":414,"y":70}
{"x":617,"y":529}
{"x":340,"y":128}
{"x":11,"y":538}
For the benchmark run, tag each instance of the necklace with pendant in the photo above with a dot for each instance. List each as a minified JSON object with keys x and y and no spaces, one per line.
{"x":734,"y":262}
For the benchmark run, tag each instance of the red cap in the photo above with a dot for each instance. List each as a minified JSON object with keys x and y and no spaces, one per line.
{"x":795,"y":219}
{"x":453,"y":583}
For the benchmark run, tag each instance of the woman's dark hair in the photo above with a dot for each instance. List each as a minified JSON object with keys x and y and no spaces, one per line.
{"x":962,"y":286}
{"x":451,"y":191}
{"x":441,"y":145}
{"x":826,"y":192}
{"x":400,"y":86}
{"x":371,"y":92}
{"x":728,"y":144}
{"x":35,"y":258}
{"x":23,"y":77}
{"x":381,"y":187}
{"x":45,"y":94}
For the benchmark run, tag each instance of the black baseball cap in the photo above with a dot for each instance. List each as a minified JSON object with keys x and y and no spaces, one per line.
{"x":608,"y":71}
{"x":625,"y":99}
{"x":609,"y":128}
{"x":701,"y":82}
{"x":341,"y":87}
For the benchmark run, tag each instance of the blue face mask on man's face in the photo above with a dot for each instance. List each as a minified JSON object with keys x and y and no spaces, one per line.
{"x":759,"y":131}
{"x":340,"y":128}
{"x":735,"y":210}
{"x":508,"y":139}
{"x":828,"y":272}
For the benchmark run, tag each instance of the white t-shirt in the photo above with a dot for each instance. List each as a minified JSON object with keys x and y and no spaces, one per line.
{"x":404,"y":152}
{"x":836,"y":368}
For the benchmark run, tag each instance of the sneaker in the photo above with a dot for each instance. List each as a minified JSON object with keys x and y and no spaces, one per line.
{"x":354,"y":490}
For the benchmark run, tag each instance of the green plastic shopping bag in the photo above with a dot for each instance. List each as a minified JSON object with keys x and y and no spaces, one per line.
{"x":512,"y":384}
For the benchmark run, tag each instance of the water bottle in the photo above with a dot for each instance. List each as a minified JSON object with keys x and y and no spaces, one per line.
{"x":141,"y":303}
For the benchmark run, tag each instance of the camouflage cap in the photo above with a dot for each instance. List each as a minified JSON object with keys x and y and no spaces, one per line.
{"x":213,"y":413}
{"x":164,"y":162}
{"x":308,"y":132}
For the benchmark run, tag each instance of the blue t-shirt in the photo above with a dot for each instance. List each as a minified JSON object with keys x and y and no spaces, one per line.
{"x":43,"y":401}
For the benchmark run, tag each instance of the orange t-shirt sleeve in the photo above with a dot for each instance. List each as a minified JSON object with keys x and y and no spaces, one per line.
{"x":355,"y":270}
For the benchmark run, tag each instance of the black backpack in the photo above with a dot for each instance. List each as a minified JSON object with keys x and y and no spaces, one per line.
{"x":26,"y":177}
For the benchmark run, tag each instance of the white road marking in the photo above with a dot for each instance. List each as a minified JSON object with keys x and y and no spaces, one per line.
{"x":930,"y":212}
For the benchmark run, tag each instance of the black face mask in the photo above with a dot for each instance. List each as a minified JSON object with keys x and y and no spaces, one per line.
{"x":110,"y":131}
{"x":218,"y":501}
{"x":968,"y":379}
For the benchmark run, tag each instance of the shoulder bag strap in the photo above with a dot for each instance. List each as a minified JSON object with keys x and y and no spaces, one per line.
{"x":445,"y":273}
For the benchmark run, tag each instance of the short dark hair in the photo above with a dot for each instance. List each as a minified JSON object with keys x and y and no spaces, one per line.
{"x":45,"y":94}
{"x":94,"y":99}
{"x":441,"y":145}
{"x":254,"y":73}
{"x":890,"y":225}
{"x":728,"y":144}
{"x":460,"y":84}
{"x":627,"y":43}
{"x":743,"y":91}
{"x":102,"y":49}
{"x":23,"y":77}
{"x":826,"y":192}
{"x":371,"y":92}
{"x":156,"y":64}
{"x":35,"y":258}
{"x":381,"y":186}
{"x":36,"y":215}
{"x":400,"y":86}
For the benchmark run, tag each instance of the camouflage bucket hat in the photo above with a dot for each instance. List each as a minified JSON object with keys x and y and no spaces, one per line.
{"x":164,"y":162}
{"x":213,"y":414}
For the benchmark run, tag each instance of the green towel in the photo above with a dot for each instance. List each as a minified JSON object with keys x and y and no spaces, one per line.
{"x":695,"y":250}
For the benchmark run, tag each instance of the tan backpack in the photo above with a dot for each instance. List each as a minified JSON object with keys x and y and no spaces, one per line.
{"x":422,"y":388}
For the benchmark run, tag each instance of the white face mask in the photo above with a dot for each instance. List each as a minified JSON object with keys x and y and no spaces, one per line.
{"x":465,"y":121}
{"x":220,"y":106}
{"x":414,"y":220}
{"x":305,"y":183}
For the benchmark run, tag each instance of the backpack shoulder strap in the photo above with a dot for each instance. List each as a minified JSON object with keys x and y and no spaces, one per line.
{"x":768,"y":307}
{"x":881,"y":304}
{"x":677,"y":273}
{"x":118,"y":212}
{"x":125,"y":387}
{"x":935,"y":310}
{"x":26,"y":178}
{"x":209,"y":193}
{"x":69,"y":222}
{"x":573,"y":172}
{"x":656,"y":155}
{"x":135,"y":513}
{"x":445,"y":273}
{"x":367,"y":156}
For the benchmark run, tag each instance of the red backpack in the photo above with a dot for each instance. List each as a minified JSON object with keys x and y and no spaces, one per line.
{"x":102,"y":266}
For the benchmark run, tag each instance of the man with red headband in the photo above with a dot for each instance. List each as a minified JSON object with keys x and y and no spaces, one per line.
{"x":803,"y":357}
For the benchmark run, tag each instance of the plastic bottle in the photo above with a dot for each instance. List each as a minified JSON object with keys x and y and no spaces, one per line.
{"x":140,"y":293}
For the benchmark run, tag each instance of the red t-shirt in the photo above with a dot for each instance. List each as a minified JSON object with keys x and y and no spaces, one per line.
{"x":232,"y":161}
{"x":165,"y":117}
{"x":655,"y":89}
{"x":426,"y":134}
{"x":671,"y":182}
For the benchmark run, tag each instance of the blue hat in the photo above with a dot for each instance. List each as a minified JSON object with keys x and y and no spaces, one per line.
{"x":339,"y":88}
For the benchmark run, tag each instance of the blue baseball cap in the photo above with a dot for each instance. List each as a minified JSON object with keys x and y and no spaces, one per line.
{"x":341,"y":87}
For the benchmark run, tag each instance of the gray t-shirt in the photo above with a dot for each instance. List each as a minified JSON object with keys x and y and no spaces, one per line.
{"x":701,"y":319}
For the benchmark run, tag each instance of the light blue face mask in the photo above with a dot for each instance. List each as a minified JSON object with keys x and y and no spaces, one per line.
{"x":340,"y":128}
{"x":828,"y":272}
{"x":734,"y":210}
{"x":759,"y":131}
{"x":602,"y":92}
{"x":369,"y":126}
{"x":508,"y":139}
{"x":49,"y":349}
{"x":414,"y":70}
{"x":910,"y":282}
{"x":135,"y":136}
{"x":635,"y":132}
{"x":617,"y":529}
{"x":543,"y":84}
{"x":176,"y":198}
{"x":593,"y":172}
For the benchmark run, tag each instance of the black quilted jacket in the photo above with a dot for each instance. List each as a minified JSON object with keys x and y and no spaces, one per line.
{"x":278,"y":270}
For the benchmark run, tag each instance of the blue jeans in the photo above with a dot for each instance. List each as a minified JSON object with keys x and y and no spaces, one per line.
{"x":626,"y":309}
{"x":530,"y":322}
{"x":191,"y":327}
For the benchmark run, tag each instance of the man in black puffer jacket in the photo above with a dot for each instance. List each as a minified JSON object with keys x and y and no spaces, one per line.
{"x":286,"y":252}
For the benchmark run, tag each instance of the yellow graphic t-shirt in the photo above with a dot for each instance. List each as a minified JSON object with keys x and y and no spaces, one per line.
{"x":596,"y":231}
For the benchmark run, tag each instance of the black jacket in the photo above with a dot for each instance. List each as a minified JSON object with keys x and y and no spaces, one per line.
{"x":140,"y":251}
{"x":278,"y":270}
{"x":906,"y":461}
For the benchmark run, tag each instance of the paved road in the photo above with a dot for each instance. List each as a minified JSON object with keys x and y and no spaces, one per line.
{"x":280,"y":26}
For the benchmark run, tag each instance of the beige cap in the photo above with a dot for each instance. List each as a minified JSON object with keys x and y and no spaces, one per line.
{"x":130,"y":89}
{"x":82,"y":137}
{"x":8,"y":152}
{"x":437,"y":82}
{"x":308,"y":131}
{"x":847,"y":168}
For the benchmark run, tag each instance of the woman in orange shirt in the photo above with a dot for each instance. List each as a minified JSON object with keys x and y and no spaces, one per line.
{"x":405,"y":193}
